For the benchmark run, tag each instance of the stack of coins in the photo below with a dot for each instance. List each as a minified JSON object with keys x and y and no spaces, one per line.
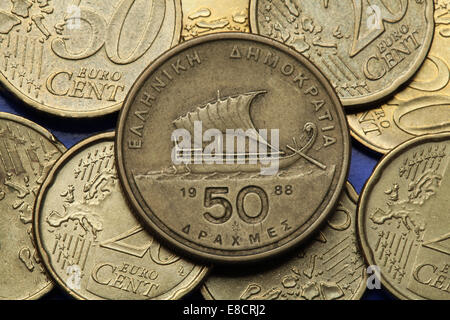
{"x":227,"y":169}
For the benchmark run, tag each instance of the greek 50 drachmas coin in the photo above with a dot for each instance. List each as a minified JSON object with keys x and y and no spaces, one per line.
{"x":232,"y":147}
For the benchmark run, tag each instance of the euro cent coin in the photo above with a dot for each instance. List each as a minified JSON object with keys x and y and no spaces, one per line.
{"x":201,"y":17}
{"x":423,"y":107}
{"x":367,"y":49}
{"x":403,"y":220}
{"x":27,"y":153}
{"x":90,"y":241}
{"x":79,"y":58}
{"x":232,"y":147}
{"x":329,"y":267}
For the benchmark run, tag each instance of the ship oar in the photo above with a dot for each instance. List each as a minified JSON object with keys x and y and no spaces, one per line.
{"x":313,"y":161}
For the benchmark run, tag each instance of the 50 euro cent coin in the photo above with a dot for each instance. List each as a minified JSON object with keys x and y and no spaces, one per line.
{"x":78,"y":59}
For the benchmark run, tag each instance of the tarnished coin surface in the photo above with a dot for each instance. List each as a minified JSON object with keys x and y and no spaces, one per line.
{"x":233,"y":147}
{"x":90,"y":241}
{"x":366,"y":48}
{"x":403,"y":219}
{"x":201,"y":17}
{"x":79,"y":58}
{"x":27,"y":153}
{"x":423,"y":107}
{"x":328,"y":267}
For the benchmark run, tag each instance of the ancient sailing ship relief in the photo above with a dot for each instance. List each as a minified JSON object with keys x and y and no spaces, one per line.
{"x":236,"y":155}
{"x":254,"y":154}
{"x":234,"y":113}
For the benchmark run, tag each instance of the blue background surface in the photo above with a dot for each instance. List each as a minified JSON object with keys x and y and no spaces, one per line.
{"x":72,"y":131}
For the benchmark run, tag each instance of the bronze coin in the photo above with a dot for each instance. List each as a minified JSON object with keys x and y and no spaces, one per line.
{"x":242,"y":201}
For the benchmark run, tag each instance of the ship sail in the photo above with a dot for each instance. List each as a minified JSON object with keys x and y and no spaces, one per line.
{"x":229,"y":113}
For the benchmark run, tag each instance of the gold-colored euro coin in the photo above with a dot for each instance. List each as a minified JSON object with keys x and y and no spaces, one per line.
{"x":403,"y":219}
{"x":367,"y":49}
{"x":27,"y":153}
{"x":79,"y":58}
{"x":329,"y":267}
{"x":90,"y":241}
{"x":423,"y":107}
{"x":201,"y":17}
